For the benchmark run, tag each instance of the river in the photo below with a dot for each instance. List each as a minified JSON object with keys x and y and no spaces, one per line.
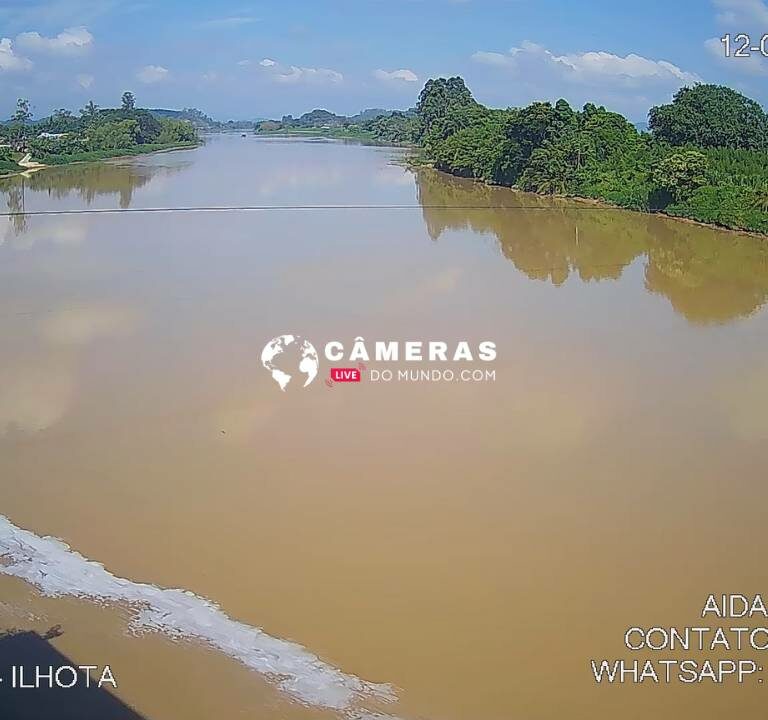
{"x":433,"y":550}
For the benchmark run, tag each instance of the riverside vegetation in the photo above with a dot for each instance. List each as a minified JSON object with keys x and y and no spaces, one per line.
{"x":705,"y":157}
{"x":95,"y":134}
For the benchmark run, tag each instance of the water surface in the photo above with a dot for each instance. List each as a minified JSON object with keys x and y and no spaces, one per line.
{"x":473,"y":545}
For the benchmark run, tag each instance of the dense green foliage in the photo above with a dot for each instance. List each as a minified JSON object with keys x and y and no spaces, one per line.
{"x":711,"y":116}
{"x":113,"y":135}
{"x":176,"y":131}
{"x":705,"y":158}
{"x":681,"y":173}
{"x":445,"y":106}
{"x":6,"y":161}
{"x":397,"y":128}
{"x":94,"y":134}
{"x":148,"y":127}
{"x":477,"y":151}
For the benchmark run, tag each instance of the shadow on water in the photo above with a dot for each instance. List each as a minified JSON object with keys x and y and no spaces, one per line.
{"x":30,"y":650}
{"x":709,"y":276}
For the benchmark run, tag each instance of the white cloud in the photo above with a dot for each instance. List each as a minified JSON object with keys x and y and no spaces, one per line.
{"x":244,"y":63}
{"x":597,"y":68}
{"x":397,"y":75}
{"x":9,"y":60}
{"x":628,"y":84}
{"x":234,"y":21}
{"x":84,"y":81}
{"x":293,"y":74}
{"x":210,"y":76}
{"x":152,"y":74}
{"x":308,"y":74}
{"x":68,"y":42}
{"x":491,"y":58}
{"x":742,"y":13}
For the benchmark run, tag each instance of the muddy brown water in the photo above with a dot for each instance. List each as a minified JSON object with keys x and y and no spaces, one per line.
{"x":473,"y":544}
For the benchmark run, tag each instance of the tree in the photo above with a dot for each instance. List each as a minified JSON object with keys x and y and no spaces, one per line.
{"x":128,"y":100}
{"x":114,"y":135}
{"x":395,"y":128}
{"x":439,"y":99}
{"x":476,"y":150}
{"x":175,"y":131}
{"x":149,"y":125}
{"x":711,"y":116}
{"x":23,"y":112}
{"x":681,"y":173}
{"x":547,"y":172}
{"x":90,"y":111}
{"x":61,"y":121}
{"x":532,"y":125}
{"x":761,"y":198}
{"x":719,"y":174}
{"x":20,"y":119}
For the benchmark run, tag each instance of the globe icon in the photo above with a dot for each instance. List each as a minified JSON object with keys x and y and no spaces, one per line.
{"x":284,"y":355}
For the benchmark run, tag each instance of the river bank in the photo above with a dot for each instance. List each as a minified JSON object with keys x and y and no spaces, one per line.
{"x":707,"y":173}
{"x":418,"y":161}
{"x":98,"y":155}
{"x":364,"y":136}
{"x":330,"y":133}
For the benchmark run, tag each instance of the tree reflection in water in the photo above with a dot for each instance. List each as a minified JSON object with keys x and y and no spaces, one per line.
{"x":709,"y":276}
{"x":87,"y":182}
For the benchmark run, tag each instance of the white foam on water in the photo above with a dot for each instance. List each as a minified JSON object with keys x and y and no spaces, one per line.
{"x":56,"y":570}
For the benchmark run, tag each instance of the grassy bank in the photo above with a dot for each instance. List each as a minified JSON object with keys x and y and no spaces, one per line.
{"x":8,"y":168}
{"x":95,"y":155}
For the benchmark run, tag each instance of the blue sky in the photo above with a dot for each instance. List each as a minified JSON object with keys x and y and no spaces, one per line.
{"x":264,"y":59}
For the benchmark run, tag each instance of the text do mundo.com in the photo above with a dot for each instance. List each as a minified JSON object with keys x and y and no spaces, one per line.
{"x":434,"y":375}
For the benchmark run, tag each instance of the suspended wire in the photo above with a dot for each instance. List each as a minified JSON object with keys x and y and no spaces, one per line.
{"x":247,"y":208}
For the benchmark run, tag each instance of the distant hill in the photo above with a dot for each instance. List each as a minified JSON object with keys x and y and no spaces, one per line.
{"x":204,"y":122}
{"x":315,"y":118}
{"x":370,"y":114}
{"x":197,"y":117}
{"x":175,"y":114}
{"x":319,"y":118}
